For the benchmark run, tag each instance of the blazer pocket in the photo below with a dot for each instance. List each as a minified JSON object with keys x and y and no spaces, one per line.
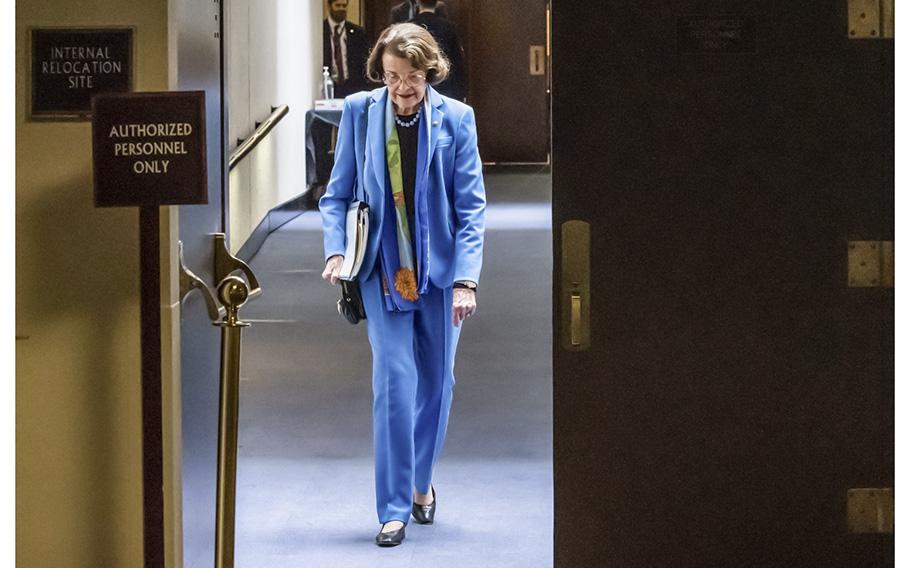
{"x":444,"y":141}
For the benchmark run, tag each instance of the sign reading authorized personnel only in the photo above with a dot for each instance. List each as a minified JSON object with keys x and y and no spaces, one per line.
{"x":149,"y":149}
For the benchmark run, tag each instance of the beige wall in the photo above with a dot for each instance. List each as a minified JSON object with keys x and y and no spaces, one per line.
{"x":78,"y":437}
{"x":275,"y":58}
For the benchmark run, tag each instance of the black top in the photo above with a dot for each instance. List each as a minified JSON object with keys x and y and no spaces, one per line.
{"x":404,"y":11}
{"x":407,"y":138}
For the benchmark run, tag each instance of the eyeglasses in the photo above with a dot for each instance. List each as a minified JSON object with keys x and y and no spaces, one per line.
{"x":416,"y":79}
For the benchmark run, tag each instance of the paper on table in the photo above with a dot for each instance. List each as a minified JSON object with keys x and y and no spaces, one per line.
{"x":328,"y":104}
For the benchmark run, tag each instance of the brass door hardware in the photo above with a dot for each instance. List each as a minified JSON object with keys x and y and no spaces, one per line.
{"x":189,"y":282}
{"x":575,"y":325}
{"x":538,"y":60}
{"x":226,"y":263}
{"x":233,"y":292}
{"x":870,"y":511}
{"x":870,"y":19}
{"x":575,"y":288}
{"x":870,"y":264}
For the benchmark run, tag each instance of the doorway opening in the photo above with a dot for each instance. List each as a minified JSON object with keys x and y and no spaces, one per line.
{"x":305,"y":492}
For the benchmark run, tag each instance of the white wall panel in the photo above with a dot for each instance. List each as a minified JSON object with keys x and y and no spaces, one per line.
{"x":275,"y":55}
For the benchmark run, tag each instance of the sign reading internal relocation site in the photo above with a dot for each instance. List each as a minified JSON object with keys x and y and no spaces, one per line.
{"x":68,"y":66}
{"x":149,"y":149}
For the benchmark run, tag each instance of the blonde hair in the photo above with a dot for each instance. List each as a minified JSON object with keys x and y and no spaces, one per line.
{"x":411,"y":42}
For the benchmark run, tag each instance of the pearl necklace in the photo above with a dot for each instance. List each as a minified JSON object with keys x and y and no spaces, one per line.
{"x":409,"y":123}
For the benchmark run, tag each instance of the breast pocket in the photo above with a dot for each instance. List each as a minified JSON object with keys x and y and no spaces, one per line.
{"x":444,"y":141}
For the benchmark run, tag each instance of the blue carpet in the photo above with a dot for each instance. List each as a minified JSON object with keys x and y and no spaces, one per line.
{"x":305,"y":477}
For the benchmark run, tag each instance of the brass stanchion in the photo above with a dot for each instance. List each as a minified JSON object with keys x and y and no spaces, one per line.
{"x":233,"y":293}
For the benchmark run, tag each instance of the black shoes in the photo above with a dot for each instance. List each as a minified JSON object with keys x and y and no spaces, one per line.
{"x":392,"y":538}
{"x":424,"y":514}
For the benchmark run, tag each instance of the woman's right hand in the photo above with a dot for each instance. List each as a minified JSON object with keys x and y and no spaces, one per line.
{"x":332,"y":269}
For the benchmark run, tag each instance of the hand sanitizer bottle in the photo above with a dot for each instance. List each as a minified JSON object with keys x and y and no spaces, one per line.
{"x":328,"y":86}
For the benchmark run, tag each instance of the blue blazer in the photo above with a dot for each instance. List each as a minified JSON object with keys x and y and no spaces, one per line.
{"x":455,"y":191}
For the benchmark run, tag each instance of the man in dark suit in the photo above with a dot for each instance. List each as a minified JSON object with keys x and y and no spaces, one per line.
{"x":405,"y":11}
{"x":344,"y":50}
{"x":443,"y":31}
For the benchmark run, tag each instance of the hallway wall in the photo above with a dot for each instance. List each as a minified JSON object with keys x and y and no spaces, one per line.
{"x":274,"y":58}
{"x":78,"y":433}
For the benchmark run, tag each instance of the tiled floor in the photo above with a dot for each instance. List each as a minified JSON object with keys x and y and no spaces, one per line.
{"x":305,"y":485}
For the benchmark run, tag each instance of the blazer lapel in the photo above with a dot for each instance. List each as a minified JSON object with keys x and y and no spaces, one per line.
{"x":376,"y":139}
{"x":435,"y":122}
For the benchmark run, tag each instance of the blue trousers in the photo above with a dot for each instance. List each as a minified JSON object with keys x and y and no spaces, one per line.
{"x":413,"y":361}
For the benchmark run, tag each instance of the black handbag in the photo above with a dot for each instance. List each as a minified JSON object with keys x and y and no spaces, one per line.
{"x":350,"y":305}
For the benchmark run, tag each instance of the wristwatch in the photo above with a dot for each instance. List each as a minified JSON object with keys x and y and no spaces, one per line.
{"x":466,"y":284}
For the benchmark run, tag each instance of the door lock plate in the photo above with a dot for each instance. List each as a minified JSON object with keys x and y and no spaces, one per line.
{"x":538,"y":60}
{"x":575,"y":286}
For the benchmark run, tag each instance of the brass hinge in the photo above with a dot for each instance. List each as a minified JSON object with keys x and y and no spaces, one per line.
{"x":870,"y":19}
{"x":870,"y":264}
{"x":870,"y":511}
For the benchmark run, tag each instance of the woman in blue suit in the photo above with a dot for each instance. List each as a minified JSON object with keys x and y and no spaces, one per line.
{"x":413,"y":153}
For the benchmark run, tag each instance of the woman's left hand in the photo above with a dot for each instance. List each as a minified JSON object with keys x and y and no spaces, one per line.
{"x":464,"y":304}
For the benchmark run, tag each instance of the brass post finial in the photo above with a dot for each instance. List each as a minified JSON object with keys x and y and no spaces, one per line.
{"x":233,"y":293}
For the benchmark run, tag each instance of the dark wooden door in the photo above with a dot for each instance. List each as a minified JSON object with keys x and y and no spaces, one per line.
{"x":736,"y":387}
{"x":512,"y":104}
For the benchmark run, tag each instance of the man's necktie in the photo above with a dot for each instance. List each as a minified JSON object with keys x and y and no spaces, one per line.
{"x":336,"y":47}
